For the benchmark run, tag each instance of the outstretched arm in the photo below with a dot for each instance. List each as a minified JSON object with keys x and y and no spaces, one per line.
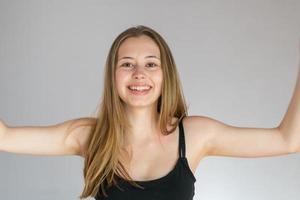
{"x":66,"y":138}
{"x":226,"y":140}
{"x":290,"y":125}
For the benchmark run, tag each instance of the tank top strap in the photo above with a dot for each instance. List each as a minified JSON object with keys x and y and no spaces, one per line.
{"x":181,"y":140}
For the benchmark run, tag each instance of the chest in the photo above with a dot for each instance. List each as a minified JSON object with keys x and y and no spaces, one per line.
{"x":151,"y":161}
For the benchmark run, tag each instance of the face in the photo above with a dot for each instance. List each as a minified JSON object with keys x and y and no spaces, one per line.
{"x":138,"y":72}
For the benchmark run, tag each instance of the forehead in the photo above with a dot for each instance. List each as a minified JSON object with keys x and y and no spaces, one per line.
{"x":141,"y":45}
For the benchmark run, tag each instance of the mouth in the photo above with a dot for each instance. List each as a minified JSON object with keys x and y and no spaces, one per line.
{"x":139,"y":90}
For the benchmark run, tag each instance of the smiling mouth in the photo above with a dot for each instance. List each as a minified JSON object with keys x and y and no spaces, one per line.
{"x":139,"y":87}
{"x":139,"y":91}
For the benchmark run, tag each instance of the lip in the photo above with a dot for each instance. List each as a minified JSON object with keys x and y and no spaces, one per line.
{"x":135,"y":92}
{"x":139,"y":84}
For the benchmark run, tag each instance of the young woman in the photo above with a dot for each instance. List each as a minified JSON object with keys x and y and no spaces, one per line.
{"x":142,"y":144}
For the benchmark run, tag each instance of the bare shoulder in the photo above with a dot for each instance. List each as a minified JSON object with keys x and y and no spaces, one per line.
{"x":199,"y":126}
{"x":79,"y":131}
{"x":198,"y":131}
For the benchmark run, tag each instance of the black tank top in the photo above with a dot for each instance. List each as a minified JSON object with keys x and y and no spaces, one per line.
{"x":178,"y":184}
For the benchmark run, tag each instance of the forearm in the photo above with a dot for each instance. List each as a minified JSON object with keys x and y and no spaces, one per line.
{"x":290,"y":125}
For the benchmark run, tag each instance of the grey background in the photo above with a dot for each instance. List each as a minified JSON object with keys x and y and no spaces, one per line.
{"x":237,"y":62}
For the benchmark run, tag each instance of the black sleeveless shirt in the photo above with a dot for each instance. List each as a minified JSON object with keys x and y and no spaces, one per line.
{"x":178,"y":184}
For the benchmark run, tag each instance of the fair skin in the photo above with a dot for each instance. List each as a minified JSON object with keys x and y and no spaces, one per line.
{"x":139,"y":63}
{"x":204,"y":136}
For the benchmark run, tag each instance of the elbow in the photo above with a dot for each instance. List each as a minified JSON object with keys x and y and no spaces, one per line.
{"x":293,"y":146}
{"x":294,"y":149}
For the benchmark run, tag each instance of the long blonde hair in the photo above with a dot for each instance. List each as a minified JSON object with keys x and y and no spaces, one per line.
{"x":104,"y":145}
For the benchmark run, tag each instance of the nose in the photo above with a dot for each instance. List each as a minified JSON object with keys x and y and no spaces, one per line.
{"x":138,"y":72}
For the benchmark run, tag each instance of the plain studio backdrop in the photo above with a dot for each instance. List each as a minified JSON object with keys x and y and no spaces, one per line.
{"x":237,"y":62}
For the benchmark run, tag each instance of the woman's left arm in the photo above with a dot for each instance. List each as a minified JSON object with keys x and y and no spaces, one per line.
{"x":290,"y":125}
{"x":225,"y":140}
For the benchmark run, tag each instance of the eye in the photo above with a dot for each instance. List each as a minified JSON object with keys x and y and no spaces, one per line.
{"x":125,"y":64}
{"x":152,"y":64}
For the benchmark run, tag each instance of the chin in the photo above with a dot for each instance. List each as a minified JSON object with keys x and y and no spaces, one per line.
{"x":140,"y":103}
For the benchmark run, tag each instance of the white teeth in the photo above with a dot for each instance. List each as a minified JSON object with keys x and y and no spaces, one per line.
{"x":139,"y":88}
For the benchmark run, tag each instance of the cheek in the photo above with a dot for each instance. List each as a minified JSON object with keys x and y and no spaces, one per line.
{"x":120,"y":76}
{"x":159,"y":78}
{"x":121,"y":79}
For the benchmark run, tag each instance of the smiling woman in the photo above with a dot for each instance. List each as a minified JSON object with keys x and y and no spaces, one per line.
{"x":142,"y":144}
{"x":139,"y":74}
{"x":143,"y":104}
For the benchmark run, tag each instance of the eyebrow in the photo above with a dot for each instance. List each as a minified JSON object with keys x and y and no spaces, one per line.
{"x":127,"y":57}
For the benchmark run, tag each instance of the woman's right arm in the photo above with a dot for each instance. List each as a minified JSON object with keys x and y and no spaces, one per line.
{"x":66,"y":138}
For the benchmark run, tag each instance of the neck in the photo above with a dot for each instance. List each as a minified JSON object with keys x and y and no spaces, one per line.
{"x":144,"y":122}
